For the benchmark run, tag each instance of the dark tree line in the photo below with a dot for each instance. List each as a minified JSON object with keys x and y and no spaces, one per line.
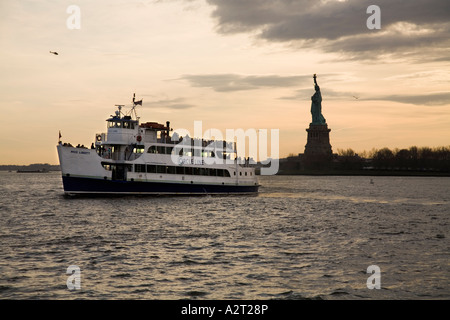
{"x":413,"y":158}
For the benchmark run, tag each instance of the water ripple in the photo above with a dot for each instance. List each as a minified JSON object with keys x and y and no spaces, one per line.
{"x":301,"y":238}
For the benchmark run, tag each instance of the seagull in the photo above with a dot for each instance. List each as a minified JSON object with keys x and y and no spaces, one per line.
{"x":355,"y":97}
{"x":55,"y":53}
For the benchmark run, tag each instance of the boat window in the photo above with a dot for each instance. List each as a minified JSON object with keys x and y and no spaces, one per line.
{"x":227,"y":173}
{"x":106,"y":166}
{"x":160,"y":149}
{"x":139,"y":149}
{"x":179,"y":170}
{"x":171,"y":169}
{"x":128,"y":125}
{"x":160,"y":169}
{"x":139,"y":167}
{"x":185,"y":151}
{"x":115,"y":124}
{"x":197,"y":152}
{"x":152,"y":149}
{"x":151,"y":168}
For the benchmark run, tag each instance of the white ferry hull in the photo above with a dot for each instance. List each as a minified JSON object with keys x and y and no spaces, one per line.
{"x":77,"y":185}
{"x":83,"y":174}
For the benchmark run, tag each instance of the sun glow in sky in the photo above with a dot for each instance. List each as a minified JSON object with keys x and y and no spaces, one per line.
{"x":229,"y":63}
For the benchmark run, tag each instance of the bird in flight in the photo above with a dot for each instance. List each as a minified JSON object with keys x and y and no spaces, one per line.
{"x":355,"y":97}
{"x":55,"y":53}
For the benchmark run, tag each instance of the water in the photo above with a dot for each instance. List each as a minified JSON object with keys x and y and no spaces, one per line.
{"x":301,"y":238}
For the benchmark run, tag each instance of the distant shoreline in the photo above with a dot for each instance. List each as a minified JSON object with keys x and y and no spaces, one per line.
{"x":371,"y":173}
{"x":35,"y":167}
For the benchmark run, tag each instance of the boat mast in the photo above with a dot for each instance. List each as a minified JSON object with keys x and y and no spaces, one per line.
{"x":133,"y":108}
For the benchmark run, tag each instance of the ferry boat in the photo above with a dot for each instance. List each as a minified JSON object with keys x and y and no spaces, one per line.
{"x":134,"y":158}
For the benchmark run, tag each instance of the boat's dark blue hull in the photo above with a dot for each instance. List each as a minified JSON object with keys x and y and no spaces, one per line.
{"x":78,"y":185}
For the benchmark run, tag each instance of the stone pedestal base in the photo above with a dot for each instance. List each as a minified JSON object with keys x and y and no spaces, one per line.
{"x":318,"y":147}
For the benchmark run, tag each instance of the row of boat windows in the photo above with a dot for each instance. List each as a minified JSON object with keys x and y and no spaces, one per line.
{"x":150,"y":168}
{"x":121,"y":124}
{"x":169,"y":150}
{"x":181,"y":170}
{"x":185,"y":151}
{"x":188,"y":152}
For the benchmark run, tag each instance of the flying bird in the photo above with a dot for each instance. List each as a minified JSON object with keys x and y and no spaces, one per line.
{"x":355,"y":97}
{"x":55,"y":53}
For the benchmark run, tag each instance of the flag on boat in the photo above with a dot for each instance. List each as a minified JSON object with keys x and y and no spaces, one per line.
{"x":138,"y":102}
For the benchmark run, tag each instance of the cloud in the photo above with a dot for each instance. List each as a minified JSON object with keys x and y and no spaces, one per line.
{"x":434,"y":78}
{"x":430,"y":99}
{"x":427,"y":99}
{"x":177,"y":104}
{"x":340,"y":26}
{"x":327,"y":94}
{"x":235,"y":82}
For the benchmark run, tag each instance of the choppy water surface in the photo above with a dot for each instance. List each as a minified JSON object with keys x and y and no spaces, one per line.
{"x":301,"y":237}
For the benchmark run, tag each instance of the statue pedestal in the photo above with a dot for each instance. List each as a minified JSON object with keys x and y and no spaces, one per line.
{"x":318,"y":147}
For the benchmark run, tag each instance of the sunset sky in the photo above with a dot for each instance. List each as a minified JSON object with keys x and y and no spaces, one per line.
{"x":229,"y":63}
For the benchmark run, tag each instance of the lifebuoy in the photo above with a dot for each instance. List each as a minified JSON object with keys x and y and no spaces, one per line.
{"x":139,"y":138}
{"x":99,"y":138}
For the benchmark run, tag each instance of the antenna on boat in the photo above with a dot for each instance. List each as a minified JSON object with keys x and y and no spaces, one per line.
{"x":135,"y":103}
{"x":118,"y":112}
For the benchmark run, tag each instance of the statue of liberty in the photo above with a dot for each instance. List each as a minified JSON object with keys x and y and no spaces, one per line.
{"x":316,"y":105}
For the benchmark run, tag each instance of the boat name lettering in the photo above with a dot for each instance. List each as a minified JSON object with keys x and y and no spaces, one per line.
{"x":182,"y":161}
{"x":80,"y":152}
